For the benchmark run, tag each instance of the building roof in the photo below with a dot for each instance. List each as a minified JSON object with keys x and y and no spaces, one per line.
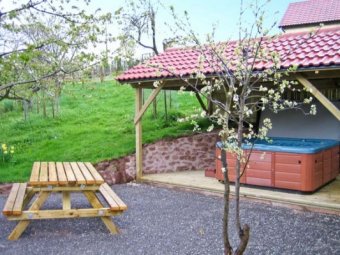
{"x":311,"y":12}
{"x":296,"y":49}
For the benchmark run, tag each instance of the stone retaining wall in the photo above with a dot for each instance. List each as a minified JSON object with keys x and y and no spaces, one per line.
{"x":169,"y":155}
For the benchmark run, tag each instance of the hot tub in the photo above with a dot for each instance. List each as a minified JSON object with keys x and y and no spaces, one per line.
{"x":287,"y":163}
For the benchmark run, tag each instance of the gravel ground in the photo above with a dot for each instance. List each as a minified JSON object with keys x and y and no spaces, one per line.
{"x":163,"y":221}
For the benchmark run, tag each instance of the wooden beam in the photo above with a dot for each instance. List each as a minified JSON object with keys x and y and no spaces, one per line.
{"x":63,"y":214}
{"x":64,"y":188}
{"x":66,"y":200}
{"x":139,"y":141}
{"x":141,"y":111}
{"x":323,"y":100}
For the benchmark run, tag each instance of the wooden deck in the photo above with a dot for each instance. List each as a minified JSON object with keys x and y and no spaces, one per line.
{"x":326,"y":199}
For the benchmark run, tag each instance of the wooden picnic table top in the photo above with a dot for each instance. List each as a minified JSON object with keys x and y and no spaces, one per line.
{"x":64,"y":174}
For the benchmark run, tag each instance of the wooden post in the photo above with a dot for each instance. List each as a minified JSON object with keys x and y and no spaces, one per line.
{"x":165,"y":106}
{"x":139,"y":141}
{"x":323,"y":100}
{"x":140,"y":110}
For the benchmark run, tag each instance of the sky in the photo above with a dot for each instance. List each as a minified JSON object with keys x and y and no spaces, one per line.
{"x":203,"y":15}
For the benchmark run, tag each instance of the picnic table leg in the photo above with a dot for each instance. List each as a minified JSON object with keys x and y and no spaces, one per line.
{"x":22,"y":225}
{"x":94,"y":201}
{"x":28,"y":197}
{"x":66,"y":200}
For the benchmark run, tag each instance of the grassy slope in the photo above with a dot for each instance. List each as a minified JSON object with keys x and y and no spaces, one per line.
{"x":96,"y":123}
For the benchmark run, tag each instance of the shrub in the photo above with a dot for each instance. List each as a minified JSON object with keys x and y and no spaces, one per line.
{"x":8,"y":106}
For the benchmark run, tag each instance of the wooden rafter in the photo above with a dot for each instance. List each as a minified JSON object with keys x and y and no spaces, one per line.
{"x":318,"y":95}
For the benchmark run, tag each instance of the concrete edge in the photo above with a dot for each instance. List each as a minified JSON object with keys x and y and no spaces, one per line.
{"x":306,"y":207}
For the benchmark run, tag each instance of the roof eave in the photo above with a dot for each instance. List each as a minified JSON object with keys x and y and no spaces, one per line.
{"x":173,"y":78}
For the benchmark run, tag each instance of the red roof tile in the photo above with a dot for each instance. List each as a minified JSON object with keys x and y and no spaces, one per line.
{"x":311,"y":12}
{"x":320,"y":50}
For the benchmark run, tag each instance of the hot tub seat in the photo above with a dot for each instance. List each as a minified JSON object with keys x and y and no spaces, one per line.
{"x":287,"y":163}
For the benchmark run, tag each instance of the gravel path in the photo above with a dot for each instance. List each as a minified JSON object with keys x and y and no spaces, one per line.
{"x":163,"y":221}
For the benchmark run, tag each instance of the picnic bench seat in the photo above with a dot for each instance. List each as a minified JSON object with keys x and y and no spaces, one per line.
{"x":115,"y":203}
{"x":15,"y":200}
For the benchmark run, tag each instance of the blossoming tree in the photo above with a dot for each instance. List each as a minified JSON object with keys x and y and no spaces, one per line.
{"x":246,"y":77}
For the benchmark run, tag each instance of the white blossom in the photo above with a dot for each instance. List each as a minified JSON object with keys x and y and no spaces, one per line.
{"x":263,"y":88}
{"x":156,"y":84}
{"x":210,"y":128}
{"x":312,"y":109}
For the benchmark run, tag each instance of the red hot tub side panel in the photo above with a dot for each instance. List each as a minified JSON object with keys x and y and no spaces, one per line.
{"x":303,"y":172}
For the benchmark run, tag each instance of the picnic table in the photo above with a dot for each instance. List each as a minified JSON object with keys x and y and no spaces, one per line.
{"x":67,"y":178}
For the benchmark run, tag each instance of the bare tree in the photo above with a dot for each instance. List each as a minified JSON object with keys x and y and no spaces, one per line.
{"x":138,"y":23}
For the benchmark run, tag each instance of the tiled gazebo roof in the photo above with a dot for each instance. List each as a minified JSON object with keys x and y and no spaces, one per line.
{"x":299,"y":49}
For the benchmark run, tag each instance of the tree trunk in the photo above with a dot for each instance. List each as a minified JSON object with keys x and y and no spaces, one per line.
{"x":53,"y":108}
{"x":101,"y":70}
{"x":44,"y":103}
{"x":227,"y":248}
{"x":25,"y":108}
{"x":243,"y":232}
{"x":37,"y":103}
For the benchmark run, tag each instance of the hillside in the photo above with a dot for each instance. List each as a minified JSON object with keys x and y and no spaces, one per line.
{"x":95,"y":123}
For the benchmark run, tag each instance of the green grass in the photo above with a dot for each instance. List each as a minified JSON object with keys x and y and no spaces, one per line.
{"x":95,"y":123}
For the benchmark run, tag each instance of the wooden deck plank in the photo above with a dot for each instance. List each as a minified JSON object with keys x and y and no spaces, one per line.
{"x":86,"y":173}
{"x":69,"y":173}
{"x":8,"y":208}
{"x":17,"y":208}
{"x":43,"y":177}
{"x":34,"y":179}
{"x":327,"y":198}
{"x":52,"y":174}
{"x":112,"y":198}
{"x":62,"y":178}
{"x":98,"y":178}
{"x":78,"y":174}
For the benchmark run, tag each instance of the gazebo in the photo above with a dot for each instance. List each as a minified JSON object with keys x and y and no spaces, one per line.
{"x":316,"y":57}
